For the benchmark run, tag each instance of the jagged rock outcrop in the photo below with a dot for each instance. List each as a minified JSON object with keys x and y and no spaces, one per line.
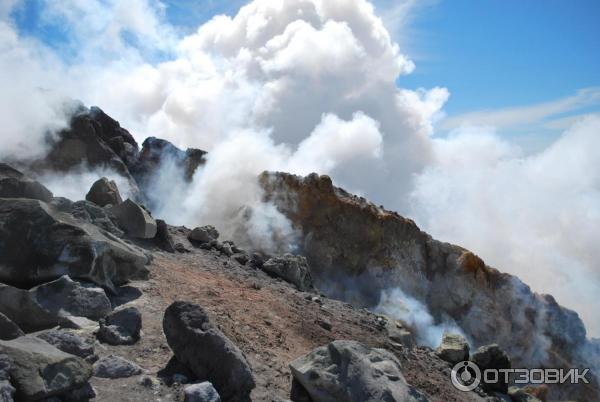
{"x":156,"y":152}
{"x":211,"y":356}
{"x":92,"y":140}
{"x":38,"y":243}
{"x":382,"y":250}
{"x":53,"y":303}
{"x":352,"y":372}
{"x":104,"y":192}
{"x":38,"y":370}
{"x":14,"y":184}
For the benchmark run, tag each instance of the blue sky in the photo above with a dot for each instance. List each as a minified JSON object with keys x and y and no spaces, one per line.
{"x":491,"y":55}
{"x":498,"y":53}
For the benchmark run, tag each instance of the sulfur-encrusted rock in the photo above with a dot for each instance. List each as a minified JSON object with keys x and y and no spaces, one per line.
{"x":453,"y":349}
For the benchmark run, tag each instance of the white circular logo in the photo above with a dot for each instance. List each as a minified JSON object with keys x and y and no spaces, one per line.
{"x":465,"y":376}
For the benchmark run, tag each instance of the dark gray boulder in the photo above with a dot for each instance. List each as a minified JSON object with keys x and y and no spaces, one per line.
{"x":115,"y":367}
{"x":8,"y":329}
{"x":204,"y":234}
{"x":134,"y":220}
{"x":121,"y":327}
{"x":492,"y":357}
{"x":291,"y":268}
{"x":453,"y":349}
{"x":52,"y":304}
{"x":38,"y":243}
{"x":163,"y":238}
{"x":69,"y":342}
{"x":201,"y":392}
{"x":38,"y":370}
{"x":104,"y":192}
{"x":352,"y":372}
{"x":208,"y":353}
{"x":14,"y":184}
{"x":89,"y":212}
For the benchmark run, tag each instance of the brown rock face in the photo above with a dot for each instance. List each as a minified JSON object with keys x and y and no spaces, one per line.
{"x":356,"y":249}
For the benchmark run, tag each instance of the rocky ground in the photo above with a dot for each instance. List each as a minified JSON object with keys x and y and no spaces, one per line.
{"x":271,"y":321}
{"x":100,"y":301}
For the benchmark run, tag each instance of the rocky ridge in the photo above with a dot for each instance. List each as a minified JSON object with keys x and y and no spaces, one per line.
{"x":280,"y":316}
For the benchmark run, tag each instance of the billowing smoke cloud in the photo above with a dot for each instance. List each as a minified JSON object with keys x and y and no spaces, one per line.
{"x":306,"y":85}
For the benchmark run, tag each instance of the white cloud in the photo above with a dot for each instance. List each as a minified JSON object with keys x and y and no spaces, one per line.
{"x":311,"y":85}
{"x":533,"y":216}
{"x":525,"y":115}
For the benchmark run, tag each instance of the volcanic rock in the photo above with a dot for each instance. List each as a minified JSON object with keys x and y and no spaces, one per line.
{"x":492,"y":357}
{"x":104,"y":192}
{"x":349,"y":371}
{"x":291,"y":268}
{"x":52,"y":304}
{"x":69,"y":342}
{"x":202,"y":347}
{"x":202,"y":392}
{"x":14,"y":184}
{"x":94,"y":140}
{"x":38,"y":244}
{"x":204,"y":234}
{"x":8,"y":329}
{"x":356,"y":250}
{"x":115,"y":367}
{"x":453,"y":349}
{"x":121,"y":327}
{"x":39,"y":370}
{"x":163,"y":238}
{"x":134,"y":219}
{"x":89,"y":212}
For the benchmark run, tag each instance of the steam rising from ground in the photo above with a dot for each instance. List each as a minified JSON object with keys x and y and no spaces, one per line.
{"x":398,"y":305}
{"x":301,"y":86}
